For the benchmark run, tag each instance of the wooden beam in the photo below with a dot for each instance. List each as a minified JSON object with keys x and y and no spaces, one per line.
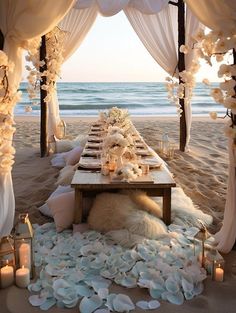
{"x":181,"y":67}
{"x":43,"y":105}
{"x":1,"y":40}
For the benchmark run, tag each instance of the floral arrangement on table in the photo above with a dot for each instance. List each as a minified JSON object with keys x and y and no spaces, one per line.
{"x":8,"y":98}
{"x":54,"y":59}
{"x":217,"y":45}
{"x":115,"y":144}
{"x":128,"y":171}
{"x":118,"y":117}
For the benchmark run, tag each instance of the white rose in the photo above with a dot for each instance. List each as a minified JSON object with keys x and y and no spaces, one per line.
{"x":230,"y":103}
{"x":224,"y":70}
{"x":213,"y":115}
{"x":206,"y":81}
{"x":184,"y":49}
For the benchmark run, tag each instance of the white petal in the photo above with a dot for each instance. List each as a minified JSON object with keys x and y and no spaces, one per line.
{"x":89,"y":305}
{"x":123,"y":303}
{"x":36,"y":300}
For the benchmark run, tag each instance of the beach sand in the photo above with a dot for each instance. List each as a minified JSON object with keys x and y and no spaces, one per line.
{"x":202,"y":173}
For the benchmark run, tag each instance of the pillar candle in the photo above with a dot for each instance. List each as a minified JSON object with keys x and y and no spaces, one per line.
{"x":25,"y":255}
{"x":22,"y":277}
{"x":7,"y":276}
{"x":219,"y":274}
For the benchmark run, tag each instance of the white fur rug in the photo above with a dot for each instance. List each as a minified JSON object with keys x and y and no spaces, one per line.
{"x":129,"y":218}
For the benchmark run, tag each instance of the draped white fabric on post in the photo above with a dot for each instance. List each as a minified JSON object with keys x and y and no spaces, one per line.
{"x":77,"y":24}
{"x":221,"y":16}
{"x":22,"y":20}
{"x":112,"y":7}
{"x":192,"y":24}
{"x":158,"y":34}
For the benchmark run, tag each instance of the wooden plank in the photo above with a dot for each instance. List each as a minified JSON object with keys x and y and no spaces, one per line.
{"x":181,"y":67}
{"x":78,"y":214}
{"x":1,"y":40}
{"x":167,"y":206}
{"x":43,"y":105}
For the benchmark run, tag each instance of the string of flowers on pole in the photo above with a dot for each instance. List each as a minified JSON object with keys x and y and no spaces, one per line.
{"x":8,"y":99}
{"x":54,"y":40}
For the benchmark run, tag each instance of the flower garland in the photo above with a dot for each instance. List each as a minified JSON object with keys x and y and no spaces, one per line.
{"x":183,"y":90}
{"x":216,"y":45}
{"x":54,"y":43}
{"x":8,"y":98}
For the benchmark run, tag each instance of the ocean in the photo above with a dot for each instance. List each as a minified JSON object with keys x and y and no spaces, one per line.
{"x":141,"y":99}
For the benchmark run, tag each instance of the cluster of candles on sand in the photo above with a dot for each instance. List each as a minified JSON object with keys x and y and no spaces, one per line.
{"x":16,"y":262}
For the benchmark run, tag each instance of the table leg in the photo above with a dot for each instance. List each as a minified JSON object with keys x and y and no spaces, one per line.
{"x":78,"y":206}
{"x":167,"y":206}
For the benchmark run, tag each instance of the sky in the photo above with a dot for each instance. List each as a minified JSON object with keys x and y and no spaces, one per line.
{"x":112,"y":52}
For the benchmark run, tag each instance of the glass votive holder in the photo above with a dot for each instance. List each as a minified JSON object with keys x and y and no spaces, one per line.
{"x":218,"y":270}
{"x":171,"y":151}
{"x":145,"y":169}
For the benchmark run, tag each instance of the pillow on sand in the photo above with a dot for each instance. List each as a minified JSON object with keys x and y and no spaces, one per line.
{"x":66,"y":175}
{"x":58,"y":160}
{"x":62,"y":208}
{"x":72,"y":157}
{"x":44,"y":209}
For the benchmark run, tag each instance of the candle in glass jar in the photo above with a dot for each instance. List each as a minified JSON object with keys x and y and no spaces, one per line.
{"x":22,"y":277}
{"x":25,"y":255}
{"x":6,"y":276}
{"x":219,"y":274}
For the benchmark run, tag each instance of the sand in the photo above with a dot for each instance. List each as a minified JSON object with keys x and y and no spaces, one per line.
{"x":202,"y":173}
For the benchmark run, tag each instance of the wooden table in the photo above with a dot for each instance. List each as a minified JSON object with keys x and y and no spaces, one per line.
{"x":87,"y":183}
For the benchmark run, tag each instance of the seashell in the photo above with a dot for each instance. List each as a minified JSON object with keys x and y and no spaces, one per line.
{"x":36,"y":300}
{"x":188,"y":295}
{"x":175,"y":298}
{"x":35,"y":287}
{"x":142,"y":305}
{"x":122,"y":303}
{"x":128,"y":281}
{"x":88,"y":305}
{"x":156,"y":293}
{"x":109,"y":302}
{"x":99,"y":283}
{"x":48,"y":304}
{"x":153,"y":304}
{"x":103,"y":293}
{"x":171,"y":285}
{"x":187,"y":284}
{"x":84,"y":291}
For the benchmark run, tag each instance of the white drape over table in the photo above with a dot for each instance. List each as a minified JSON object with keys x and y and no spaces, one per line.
{"x":221,"y":16}
{"x":22,"y":20}
{"x":76,"y":24}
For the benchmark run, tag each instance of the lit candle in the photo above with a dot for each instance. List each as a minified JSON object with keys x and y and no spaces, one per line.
{"x":22,"y":277}
{"x":7,"y":276}
{"x":219,"y":274}
{"x":25,"y":255}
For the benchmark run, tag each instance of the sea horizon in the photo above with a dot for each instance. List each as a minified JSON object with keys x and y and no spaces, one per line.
{"x":140,"y":98}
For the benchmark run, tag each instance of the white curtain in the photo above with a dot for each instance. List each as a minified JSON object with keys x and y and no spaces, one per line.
{"x":221,"y":16}
{"x":22,"y":20}
{"x":112,"y":7}
{"x":159,"y":35}
{"x":77,"y":24}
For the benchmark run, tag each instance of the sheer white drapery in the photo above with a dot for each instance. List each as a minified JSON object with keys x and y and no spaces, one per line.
{"x":76,"y":24}
{"x":20,"y":21}
{"x":221,"y":16}
{"x":158,"y":34}
{"x":112,"y":7}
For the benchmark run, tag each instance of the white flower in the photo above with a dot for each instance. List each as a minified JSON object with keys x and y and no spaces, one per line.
{"x":3,"y":58}
{"x":219,"y":57}
{"x":199,"y":35}
{"x":206,"y":81}
{"x":228,"y":85}
{"x":28,"y":108}
{"x":222,"y":46}
{"x":217,"y":94}
{"x":213,"y":115}
{"x":224,"y":70}
{"x":184,"y":49}
{"x":230,"y":103}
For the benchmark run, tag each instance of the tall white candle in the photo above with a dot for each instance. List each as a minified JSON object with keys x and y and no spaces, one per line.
{"x":7,"y":276}
{"x":25,"y":255}
{"x":22,"y":277}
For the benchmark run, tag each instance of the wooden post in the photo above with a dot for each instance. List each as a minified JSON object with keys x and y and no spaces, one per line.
{"x":1,"y":40}
{"x":234,"y":77}
{"x":181,"y":67}
{"x":43,"y":105}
